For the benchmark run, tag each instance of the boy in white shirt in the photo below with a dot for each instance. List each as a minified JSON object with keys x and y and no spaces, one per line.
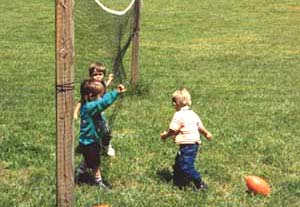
{"x":185,"y":126}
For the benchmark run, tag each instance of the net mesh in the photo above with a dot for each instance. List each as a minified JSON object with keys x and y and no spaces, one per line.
{"x":103,"y":37}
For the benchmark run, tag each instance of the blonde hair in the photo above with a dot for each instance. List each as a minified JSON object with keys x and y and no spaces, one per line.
{"x":182,"y":98}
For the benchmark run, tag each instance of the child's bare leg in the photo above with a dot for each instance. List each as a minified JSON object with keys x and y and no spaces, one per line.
{"x":99,"y":181}
{"x":97,"y":175}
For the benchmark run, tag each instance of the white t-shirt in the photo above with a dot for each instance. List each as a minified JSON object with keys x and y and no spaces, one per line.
{"x":186,"y":123}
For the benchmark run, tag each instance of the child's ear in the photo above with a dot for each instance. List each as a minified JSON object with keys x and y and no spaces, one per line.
{"x":90,"y":96}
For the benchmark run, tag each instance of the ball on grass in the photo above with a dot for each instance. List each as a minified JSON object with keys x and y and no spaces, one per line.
{"x":257,"y":185}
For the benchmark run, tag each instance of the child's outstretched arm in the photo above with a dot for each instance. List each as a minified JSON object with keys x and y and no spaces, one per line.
{"x":205,"y":132}
{"x":164,"y":135}
{"x":76,"y":110}
{"x":110,"y":79}
{"x":104,"y":102}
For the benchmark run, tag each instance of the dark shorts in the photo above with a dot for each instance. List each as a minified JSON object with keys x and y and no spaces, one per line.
{"x":91,"y":154}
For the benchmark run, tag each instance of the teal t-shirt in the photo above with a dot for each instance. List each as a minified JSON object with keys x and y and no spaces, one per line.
{"x":88,"y":132}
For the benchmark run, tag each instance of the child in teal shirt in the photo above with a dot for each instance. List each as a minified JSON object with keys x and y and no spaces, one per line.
{"x":97,"y":72}
{"x":93,"y":101}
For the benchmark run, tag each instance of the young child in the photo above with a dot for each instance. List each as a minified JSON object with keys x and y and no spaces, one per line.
{"x":89,"y":140}
{"x":185,"y":126}
{"x":97,"y":72}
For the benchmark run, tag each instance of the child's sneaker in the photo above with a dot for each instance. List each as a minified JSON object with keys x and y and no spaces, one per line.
{"x":200,"y":185}
{"x":111,"y":151}
{"x":103,"y":185}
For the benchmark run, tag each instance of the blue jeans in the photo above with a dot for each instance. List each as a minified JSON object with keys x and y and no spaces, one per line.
{"x":185,"y":161}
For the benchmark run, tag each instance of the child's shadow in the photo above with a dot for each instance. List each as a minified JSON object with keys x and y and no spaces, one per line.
{"x":85,"y":178}
{"x":165,"y":175}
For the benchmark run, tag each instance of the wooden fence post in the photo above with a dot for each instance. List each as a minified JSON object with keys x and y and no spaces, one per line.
{"x":136,"y":43}
{"x":64,"y":48}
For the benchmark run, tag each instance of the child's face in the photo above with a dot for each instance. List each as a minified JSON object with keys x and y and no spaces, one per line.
{"x":176,"y":106}
{"x":98,"y":76}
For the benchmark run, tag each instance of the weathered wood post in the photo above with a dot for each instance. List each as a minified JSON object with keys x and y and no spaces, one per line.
{"x":136,"y":43}
{"x":64,"y":49}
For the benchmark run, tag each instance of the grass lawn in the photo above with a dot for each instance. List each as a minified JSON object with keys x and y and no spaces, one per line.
{"x":240,"y":61}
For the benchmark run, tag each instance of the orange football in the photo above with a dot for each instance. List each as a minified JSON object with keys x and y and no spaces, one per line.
{"x":257,"y":185}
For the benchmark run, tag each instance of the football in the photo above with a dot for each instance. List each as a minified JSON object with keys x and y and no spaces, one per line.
{"x":257,"y":185}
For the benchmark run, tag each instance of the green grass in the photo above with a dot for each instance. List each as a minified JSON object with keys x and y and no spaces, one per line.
{"x":240,"y":61}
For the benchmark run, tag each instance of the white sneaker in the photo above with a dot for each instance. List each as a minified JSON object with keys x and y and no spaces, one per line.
{"x":111,"y":151}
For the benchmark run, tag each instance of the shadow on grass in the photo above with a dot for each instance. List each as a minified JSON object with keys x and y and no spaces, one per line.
{"x":165,"y":175}
{"x":140,"y":89}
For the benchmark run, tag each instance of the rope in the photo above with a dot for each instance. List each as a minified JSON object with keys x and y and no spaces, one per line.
{"x":65,"y":87}
{"x":120,"y":13}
